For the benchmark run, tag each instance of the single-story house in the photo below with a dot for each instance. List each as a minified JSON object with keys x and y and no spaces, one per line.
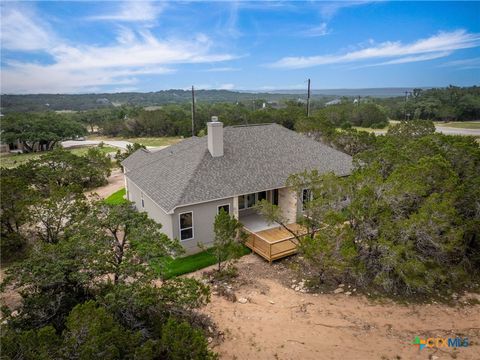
{"x":184,"y":186}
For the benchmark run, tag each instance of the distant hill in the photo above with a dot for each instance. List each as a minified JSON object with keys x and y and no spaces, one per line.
{"x":373,"y":92}
{"x":43,"y":102}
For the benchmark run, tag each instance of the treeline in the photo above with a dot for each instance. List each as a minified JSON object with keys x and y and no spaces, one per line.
{"x":85,"y":269}
{"x":175,"y":120}
{"x":44,"y":129}
{"x":82,"y":102}
{"x":442,"y":104}
{"x":39,"y":131}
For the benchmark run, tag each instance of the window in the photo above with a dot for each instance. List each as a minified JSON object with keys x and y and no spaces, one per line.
{"x":186,"y":226}
{"x":250,"y":200}
{"x":306,"y":197}
{"x":275,"y":197}
{"x":225,"y":208}
{"x":241,"y":202}
{"x":262,"y":195}
{"x":143,"y":202}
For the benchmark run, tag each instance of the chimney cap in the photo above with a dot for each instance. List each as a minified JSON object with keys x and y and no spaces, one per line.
{"x":214,"y":118}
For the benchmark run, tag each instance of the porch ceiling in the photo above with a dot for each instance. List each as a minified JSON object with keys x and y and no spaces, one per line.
{"x":256,"y":223}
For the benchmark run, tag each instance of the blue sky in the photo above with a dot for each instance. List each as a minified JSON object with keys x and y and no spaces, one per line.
{"x":109,"y":46}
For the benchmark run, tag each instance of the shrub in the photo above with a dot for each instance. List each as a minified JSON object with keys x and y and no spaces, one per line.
{"x":180,"y":341}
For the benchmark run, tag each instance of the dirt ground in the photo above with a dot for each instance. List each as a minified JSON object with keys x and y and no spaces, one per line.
{"x":278,"y":322}
{"x":115,"y":183}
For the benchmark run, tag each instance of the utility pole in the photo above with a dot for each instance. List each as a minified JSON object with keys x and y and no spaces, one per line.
{"x":406,"y":98}
{"x":308,"y":99}
{"x":193,"y":111}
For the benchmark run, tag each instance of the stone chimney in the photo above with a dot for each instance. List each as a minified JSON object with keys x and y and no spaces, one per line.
{"x":215,"y":137}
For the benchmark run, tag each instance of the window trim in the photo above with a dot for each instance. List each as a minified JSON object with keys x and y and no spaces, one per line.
{"x":219,"y":206}
{"x":180,"y":226}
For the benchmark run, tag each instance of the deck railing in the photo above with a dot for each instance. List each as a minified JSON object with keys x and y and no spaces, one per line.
{"x":271,"y":249}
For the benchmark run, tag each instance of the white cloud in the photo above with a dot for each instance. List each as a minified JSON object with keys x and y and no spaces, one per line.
{"x":226,"y":86}
{"x":316,"y":31}
{"x":320,"y":30}
{"x":409,"y":59}
{"x":443,"y":42}
{"x":20,"y":32}
{"x":231,"y":24}
{"x":77,"y":67}
{"x":83,"y":66}
{"x":328,"y":9}
{"x":463,"y":64}
{"x":133,"y":11}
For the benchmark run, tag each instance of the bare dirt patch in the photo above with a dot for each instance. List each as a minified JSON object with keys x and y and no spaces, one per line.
{"x":277,"y":322}
{"x":115,"y":183}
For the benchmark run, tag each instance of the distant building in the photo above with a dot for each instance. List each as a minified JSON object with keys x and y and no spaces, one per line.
{"x":103,"y":101}
{"x":301,"y":101}
{"x":272,"y":105}
{"x":333,"y":102}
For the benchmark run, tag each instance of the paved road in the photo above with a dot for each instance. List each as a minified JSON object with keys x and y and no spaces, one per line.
{"x":115,"y":143}
{"x":445,"y":130}
{"x":457,"y":131}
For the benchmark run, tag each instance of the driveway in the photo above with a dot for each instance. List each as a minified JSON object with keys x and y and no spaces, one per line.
{"x":115,"y":143}
{"x":115,"y":183}
{"x":121,"y":144}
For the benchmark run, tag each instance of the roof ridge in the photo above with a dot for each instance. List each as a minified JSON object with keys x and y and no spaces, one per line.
{"x":163,"y":150}
{"x":250,"y":125}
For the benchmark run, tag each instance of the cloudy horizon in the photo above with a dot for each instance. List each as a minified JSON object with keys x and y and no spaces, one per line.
{"x":84,"y":47}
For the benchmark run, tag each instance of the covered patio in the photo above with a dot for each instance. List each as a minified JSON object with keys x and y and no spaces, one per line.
{"x":270,"y":240}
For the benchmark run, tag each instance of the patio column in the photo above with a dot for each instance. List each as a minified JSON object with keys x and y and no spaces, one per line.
{"x":235,"y":207}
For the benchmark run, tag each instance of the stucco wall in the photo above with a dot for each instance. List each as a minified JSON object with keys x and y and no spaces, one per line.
{"x":154,"y":211}
{"x":203,"y":219}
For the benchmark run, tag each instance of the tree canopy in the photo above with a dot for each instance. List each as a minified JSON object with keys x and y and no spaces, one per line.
{"x":406,"y":221}
{"x":87,"y":279}
{"x":39,"y":131}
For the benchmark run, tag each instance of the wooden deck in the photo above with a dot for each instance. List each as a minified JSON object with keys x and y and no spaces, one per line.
{"x":276,"y":243}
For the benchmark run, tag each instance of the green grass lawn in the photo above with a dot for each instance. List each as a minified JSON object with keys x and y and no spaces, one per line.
{"x":460,"y":124}
{"x":155,"y":141}
{"x":359,"y":128}
{"x":117,"y":198}
{"x":179,"y":266}
{"x":13,"y":160}
{"x":191,"y":263}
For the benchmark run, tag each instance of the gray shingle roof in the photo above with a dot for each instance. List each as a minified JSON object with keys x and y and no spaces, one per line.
{"x":256,"y":158}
